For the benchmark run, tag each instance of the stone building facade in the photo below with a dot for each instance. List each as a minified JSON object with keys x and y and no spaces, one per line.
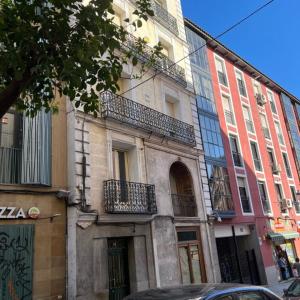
{"x":139,"y":219}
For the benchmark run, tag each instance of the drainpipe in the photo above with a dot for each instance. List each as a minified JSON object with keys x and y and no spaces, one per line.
{"x":236,"y":251}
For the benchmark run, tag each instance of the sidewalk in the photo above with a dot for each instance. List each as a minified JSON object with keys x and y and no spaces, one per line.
{"x":280,"y":286}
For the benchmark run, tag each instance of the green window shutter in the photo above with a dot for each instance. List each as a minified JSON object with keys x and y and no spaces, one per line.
{"x":36,"y":150}
{"x":16,"y":261}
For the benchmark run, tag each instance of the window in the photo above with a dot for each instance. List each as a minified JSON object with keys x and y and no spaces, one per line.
{"x":221,"y":72}
{"x":273,"y":164}
{"x":228,"y":110}
{"x":295,"y":201}
{"x":272,"y":102}
{"x":263,"y":197}
{"x":235,"y":151}
{"x":256,"y":90}
{"x":244,"y":195}
{"x":287,"y":165}
{"x":219,"y":188}
{"x":251,"y":296}
{"x":255,"y":156}
{"x":247,"y":118}
{"x":280,"y":199}
{"x":241,"y":84}
{"x":211,"y":135}
{"x":264,"y":125}
{"x":120,"y":161}
{"x":25,"y":149}
{"x":279,"y":133}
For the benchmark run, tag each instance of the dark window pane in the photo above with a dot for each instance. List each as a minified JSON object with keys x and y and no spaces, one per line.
{"x":186,"y":236}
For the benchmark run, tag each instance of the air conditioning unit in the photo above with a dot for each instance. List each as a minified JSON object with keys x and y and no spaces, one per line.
{"x":260,"y":99}
{"x":289,"y":203}
{"x":276,"y":168}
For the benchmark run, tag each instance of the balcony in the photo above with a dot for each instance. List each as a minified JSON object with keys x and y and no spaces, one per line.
{"x":123,"y":197}
{"x":10,"y":162}
{"x":124,"y":110}
{"x":223,"y":205}
{"x":164,"y":17}
{"x":184,"y":205}
{"x":162,"y":64}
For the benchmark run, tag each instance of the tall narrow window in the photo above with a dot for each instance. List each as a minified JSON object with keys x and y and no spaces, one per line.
{"x":264,"y":125}
{"x":221,"y":72}
{"x":263,"y":197}
{"x":255,"y":156}
{"x":279,"y":133}
{"x":281,"y":200}
{"x":228,"y":110}
{"x":295,"y":201}
{"x":287,"y":165}
{"x":275,"y":167}
{"x":241,"y":84}
{"x":120,"y":161}
{"x":244,"y":195}
{"x":235,"y":151}
{"x":272,"y":102}
{"x":248,"y":120}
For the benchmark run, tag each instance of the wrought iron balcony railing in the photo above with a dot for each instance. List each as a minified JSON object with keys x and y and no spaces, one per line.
{"x":10,"y":165}
{"x":124,"y":197}
{"x":162,"y":64}
{"x":137,"y":115}
{"x":164,"y":17}
{"x":184,"y":205}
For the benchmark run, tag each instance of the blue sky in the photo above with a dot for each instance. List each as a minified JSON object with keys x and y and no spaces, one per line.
{"x":269,"y":40}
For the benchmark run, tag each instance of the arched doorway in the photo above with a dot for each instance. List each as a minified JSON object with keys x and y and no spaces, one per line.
{"x":182,"y":191}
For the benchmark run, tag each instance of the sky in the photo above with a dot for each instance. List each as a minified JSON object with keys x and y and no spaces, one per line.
{"x":269,"y":40}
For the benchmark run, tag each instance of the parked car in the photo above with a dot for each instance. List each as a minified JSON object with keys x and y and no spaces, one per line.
{"x":208,"y":291}
{"x":293,"y":291}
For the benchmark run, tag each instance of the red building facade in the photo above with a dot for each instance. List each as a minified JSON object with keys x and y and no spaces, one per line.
{"x":261,"y":169}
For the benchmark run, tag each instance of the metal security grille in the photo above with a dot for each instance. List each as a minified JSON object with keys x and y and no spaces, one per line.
{"x":118,"y":269}
{"x":16,"y":261}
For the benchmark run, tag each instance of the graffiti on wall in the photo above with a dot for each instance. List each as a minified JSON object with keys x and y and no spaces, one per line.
{"x":16,"y":254}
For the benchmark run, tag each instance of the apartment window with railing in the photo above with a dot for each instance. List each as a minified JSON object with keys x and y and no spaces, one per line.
{"x":280,"y":198}
{"x":264,"y":125}
{"x":244,"y":195}
{"x":241,"y":83}
{"x":221,"y":72}
{"x":272,"y":102}
{"x":264,"y":197}
{"x":25,"y":149}
{"x":248,"y":119}
{"x":229,"y":116}
{"x":279,"y":133}
{"x":287,"y":165}
{"x":295,"y":201}
{"x":255,"y":156}
{"x":235,"y":151}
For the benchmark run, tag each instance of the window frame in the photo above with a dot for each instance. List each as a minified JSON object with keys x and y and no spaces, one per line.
{"x":224,"y":80}
{"x":250,"y":120}
{"x":243,"y":83}
{"x":247,"y":192}
{"x":287,"y":165}
{"x":238,"y":152}
{"x":266,"y":196}
{"x":258,"y":158}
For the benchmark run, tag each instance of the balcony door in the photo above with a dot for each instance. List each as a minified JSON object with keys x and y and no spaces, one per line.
{"x":190,"y":255}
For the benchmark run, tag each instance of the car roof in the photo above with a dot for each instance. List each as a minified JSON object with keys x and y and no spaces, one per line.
{"x":188,"y":292}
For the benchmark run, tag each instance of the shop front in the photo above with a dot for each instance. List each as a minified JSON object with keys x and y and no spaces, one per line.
{"x":32,"y":247}
{"x":282,"y":235}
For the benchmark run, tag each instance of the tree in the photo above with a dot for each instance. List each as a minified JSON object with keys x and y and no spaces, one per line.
{"x":65,"y":47}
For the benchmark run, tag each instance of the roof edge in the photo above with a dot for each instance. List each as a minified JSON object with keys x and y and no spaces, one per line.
{"x":237,"y":60}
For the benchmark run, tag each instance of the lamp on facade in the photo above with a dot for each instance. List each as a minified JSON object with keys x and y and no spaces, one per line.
{"x":212,"y":217}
